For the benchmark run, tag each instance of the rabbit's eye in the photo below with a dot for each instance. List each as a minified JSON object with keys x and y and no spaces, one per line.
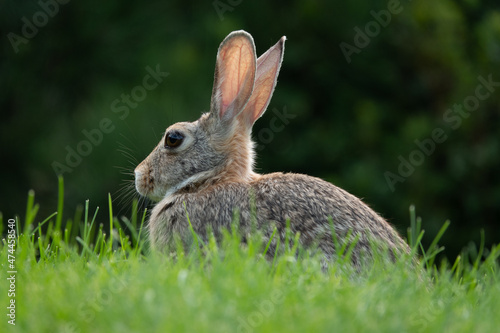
{"x":173,"y":139}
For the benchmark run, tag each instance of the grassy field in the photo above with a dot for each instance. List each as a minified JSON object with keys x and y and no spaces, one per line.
{"x":78,"y":277}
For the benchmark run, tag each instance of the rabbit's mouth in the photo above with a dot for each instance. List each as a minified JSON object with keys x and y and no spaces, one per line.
{"x":144,"y":184}
{"x":152,"y":195}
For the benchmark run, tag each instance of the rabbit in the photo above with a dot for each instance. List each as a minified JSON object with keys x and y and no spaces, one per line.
{"x":203,"y":170}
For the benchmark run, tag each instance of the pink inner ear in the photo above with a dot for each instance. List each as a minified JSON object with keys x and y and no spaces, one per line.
{"x":265,"y":81}
{"x":235,"y":62}
{"x":268,"y":66}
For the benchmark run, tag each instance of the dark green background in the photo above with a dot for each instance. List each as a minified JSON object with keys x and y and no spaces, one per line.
{"x":353,"y":120}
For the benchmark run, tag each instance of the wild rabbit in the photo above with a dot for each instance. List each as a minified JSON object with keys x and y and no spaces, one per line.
{"x":205,"y":168}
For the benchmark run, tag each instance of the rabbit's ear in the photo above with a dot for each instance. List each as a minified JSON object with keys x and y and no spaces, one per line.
{"x":268,"y":66}
{"x":234,"y":75}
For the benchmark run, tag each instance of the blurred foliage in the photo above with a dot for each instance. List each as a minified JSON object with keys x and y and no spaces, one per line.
{"x":352,"y":120}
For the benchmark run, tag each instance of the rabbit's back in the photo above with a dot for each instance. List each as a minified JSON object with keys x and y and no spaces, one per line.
{"x":314,"y":206}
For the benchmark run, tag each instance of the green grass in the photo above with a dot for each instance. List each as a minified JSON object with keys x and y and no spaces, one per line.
{"x":78,"y":277}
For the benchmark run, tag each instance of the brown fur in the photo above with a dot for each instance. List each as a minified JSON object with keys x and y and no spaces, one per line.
{"x":210,"y":175}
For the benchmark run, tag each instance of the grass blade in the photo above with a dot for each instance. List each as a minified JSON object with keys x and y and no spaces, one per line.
{"x":110,"y":223}
{"x":60,"y":202}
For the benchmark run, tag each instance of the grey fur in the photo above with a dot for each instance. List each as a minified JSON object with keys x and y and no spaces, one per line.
{"x":210,"y":174}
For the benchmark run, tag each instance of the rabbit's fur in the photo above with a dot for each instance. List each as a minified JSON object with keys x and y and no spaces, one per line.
{"x":205,"y":169}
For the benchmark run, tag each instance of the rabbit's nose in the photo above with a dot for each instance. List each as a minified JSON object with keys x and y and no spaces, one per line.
{"x":139,"y":170}
{"x":140,"y":183}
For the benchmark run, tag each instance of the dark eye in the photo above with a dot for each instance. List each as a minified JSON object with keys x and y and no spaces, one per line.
{"x":173,"y":139}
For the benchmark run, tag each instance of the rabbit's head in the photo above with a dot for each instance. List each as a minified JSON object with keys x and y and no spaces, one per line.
{"x":217,"y":147}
